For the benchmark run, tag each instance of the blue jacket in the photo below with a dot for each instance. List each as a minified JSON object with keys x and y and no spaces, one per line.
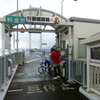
{"x":47,"y":63}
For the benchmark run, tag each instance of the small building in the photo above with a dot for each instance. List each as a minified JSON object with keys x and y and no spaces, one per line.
{"x":93,"y":63}
{"x":85,"y":54}
{"x":82,"y":28}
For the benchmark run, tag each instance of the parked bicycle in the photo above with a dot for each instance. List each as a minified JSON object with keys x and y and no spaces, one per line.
{"x":45,"y":68}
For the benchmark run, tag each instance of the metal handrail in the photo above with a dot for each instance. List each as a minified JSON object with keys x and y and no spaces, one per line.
{"x":79,"y":71}
{"x":4,"y":63}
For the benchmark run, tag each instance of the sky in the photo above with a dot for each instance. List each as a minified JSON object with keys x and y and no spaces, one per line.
{"x":80,"y":8}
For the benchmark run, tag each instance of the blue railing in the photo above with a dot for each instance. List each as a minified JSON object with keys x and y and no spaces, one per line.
{"x":78,"y":72}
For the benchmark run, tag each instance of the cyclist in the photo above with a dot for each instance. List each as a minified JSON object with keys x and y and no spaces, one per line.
{"x":44,"y":64}
{"x":47,"y":62}
{"x":56,"y":62}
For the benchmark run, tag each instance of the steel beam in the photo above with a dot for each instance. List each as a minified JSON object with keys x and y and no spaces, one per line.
{"x":66,"y":24}
{"x":61,"y":29}
{"x":32,"y":30}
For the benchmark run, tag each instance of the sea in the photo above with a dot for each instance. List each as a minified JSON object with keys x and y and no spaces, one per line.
{"x":27,"y":52}
{"x":12,"y":51}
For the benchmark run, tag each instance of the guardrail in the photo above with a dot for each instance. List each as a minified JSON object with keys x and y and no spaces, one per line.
{"x":7,"y":63}
{"x":95,"y":78}
{"x":79,"y":72}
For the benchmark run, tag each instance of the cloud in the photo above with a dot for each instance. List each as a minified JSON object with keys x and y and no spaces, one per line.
{"x":48,"y":38}
{"x":81,"y":8}
{"x":7,"y":7}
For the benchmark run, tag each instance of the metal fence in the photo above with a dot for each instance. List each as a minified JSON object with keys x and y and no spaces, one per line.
{"x":79,"y":72}
{"x":95,"y":78}
{"x":7,"y":63}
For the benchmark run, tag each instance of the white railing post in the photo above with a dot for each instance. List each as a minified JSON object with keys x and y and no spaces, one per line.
{"x":88,"y":69}
{"x":69,"y":54}
{"x":83,"y":74}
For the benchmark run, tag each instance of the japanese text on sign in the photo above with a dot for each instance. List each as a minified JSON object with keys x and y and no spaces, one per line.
{"x":15,"y":20}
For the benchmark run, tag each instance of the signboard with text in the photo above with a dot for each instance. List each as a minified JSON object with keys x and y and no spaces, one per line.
{"x":15,"y":20}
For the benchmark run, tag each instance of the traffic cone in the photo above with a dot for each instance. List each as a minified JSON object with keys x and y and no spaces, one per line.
{"x":21,"y":62}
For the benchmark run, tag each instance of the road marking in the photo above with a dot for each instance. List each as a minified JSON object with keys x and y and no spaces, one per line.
{"x":33,"y":92}
{"x":32,"y":74}
{"x":29,"y":74}
{"x":32,"y":60}
{"x":19,"y":74}
{"x":33,"y":89}
{"x":29,"y":80}
{"x":45,"y":88}
{"x":52,"y":87}
{"x":65,"y":86}
{"x":17,"y":90}
{"x":49,"y":87}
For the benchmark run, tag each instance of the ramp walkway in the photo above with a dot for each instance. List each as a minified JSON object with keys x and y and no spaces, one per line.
{"x":28,"y":84}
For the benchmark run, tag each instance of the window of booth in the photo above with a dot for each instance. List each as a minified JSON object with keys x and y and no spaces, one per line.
{"x":82,"y":51}
{"x":95,"y":53}
{"x":63,"y":45}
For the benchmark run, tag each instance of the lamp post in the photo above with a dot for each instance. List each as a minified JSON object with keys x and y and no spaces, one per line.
{"x":17,"y":26}
{"x":17,"y":5}
{"x":62,"y":7}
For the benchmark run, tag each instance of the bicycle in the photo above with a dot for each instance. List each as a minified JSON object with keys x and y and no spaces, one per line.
{"x":45,"y":69}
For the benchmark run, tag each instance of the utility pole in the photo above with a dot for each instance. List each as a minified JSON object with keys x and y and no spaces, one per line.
{"x":40,"y":28}
{"x":30,"y":26}
{"x":62,"y":7}
{"x":17,"y":27}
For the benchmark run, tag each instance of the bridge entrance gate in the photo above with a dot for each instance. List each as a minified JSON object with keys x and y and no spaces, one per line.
{"x":34,"y":17}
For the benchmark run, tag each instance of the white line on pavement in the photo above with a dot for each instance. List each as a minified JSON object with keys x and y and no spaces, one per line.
{"x":32,"y":60}
{"x":17,"y":90}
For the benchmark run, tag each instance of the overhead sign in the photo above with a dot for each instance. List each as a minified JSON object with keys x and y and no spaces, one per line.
{"x":40,"y":19}
{"x":15,"y":20}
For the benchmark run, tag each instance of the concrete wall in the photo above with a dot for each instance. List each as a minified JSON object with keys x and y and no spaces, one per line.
{"x":64,"y":37}
{"x":82,"y":30}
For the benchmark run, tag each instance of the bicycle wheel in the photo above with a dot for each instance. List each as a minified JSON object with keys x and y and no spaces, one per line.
{"x":41,"y":70}
{"x":46,"y":69}
{"x":50,"y":72}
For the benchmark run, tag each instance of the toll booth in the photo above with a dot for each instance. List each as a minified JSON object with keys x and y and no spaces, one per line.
{"x":93,"y":63}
